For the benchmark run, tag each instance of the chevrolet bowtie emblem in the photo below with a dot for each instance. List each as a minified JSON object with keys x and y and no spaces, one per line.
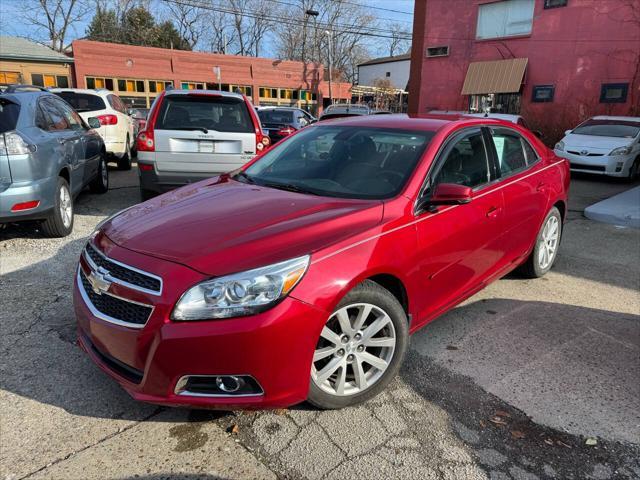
{"x":584,"y":152}
{"x":98,"y":280}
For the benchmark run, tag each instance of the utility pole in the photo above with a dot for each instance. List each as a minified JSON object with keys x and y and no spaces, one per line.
{"x":328,"y":32}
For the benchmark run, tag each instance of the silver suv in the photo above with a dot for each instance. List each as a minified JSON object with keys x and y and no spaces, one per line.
{"x":48,"y":154}
{"x":195,"y":134}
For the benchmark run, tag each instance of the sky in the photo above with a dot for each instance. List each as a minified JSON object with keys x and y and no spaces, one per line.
{"x":11,"y":25}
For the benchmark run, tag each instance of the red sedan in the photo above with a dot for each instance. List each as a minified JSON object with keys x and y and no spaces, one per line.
{"x":301,"y":275}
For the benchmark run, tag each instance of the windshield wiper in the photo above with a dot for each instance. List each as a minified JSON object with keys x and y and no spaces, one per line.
{"x":289,"y":187}
{"x":201,"y":129}
{"x":245,"y":177}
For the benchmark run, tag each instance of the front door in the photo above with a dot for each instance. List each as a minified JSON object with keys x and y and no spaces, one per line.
{"x":459,"y":245}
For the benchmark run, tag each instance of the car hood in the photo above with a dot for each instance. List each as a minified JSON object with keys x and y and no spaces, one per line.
{"x":595,"y":142}
{"x":221,"y":226}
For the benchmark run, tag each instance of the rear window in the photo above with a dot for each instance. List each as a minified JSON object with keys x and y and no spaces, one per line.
{"x":82,"y":102}
{"x":276,"y":116}
{"x":223,"y":114}
{"x":9,"y":113}
{"x":609,"y":128}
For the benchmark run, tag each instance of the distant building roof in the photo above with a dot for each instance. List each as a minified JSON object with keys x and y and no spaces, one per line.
{"x":16,"y":48}
{"x":395,"y":58}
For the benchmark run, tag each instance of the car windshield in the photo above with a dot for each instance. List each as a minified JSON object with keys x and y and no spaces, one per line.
{"x":609,"y":128}
{"x":204,"y":112}
{"x":9,"y":112}
{"x":83,"y":102}
{"x":276,"y":116}
{"x":341,"y":161}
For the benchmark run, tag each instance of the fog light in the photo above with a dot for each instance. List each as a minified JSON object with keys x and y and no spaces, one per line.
{"x":619,"y":166}
{"x":218,"y":386}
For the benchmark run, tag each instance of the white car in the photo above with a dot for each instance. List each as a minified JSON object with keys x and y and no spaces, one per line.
{"x":117,"y":128}
{"x":603,"y":145}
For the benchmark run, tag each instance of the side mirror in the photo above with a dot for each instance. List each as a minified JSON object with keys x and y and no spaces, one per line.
{"x":567,"y":132}
{"x":94,"y":122}
{"x":447,"y":194}
{"x":537,"y":133}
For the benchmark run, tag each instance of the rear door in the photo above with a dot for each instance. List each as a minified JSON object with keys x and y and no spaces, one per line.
{"x":9,"y":113}
{"x":525,"y":189}
{"x":203,"y":133}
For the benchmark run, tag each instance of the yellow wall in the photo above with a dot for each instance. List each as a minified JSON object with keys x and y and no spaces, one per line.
{"x":24,"y":69}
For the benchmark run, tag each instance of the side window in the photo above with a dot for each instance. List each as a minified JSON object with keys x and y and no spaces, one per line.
{"x":509,"y":151}
{"x":58,"y":120}
{"x":532,"y":156}
{"x":117,"y":104}
{"x":73,"y":119}
{"x":465,"y":162}
{"x":43,"y":122}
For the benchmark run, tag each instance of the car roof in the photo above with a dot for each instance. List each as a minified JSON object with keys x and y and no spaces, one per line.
{"x":173,"y":92}
{"x":24,"y":97}
{"x":402,"y":121}
{"x":92,"y":91}
{"x":273,"y":107}
{"x":619,"y":118}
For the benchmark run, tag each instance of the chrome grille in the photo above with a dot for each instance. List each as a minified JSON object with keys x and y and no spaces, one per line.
{"x":123,"y":274}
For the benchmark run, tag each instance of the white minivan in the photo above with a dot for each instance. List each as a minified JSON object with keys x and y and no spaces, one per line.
{"x":117,"y":128}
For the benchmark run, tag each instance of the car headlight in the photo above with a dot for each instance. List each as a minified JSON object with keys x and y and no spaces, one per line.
{"x":621,"y":151}
{"x":560,"y":146}
{"x":242,"y":293}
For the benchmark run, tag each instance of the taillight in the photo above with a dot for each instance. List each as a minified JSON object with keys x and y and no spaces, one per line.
{"x":14,"y":144}
{"x":18,"y":207}
{"x":145,"y":141}
{"x":262,"y":142}
{"x":283,"y":132}
{"x":108,"y":119}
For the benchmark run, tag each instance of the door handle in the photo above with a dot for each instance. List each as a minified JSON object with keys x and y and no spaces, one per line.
{"x":493,"y":212}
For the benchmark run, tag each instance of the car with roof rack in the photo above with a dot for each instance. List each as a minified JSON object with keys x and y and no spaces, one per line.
{"x":48,"y":155}
{"x":191,"y":135}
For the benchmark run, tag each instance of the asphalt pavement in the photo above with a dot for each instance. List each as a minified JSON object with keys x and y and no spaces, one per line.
{"x":528,"y":379}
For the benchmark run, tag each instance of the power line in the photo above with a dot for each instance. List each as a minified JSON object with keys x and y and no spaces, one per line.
{"x":374,"y":8}
{"x":335,"y":28}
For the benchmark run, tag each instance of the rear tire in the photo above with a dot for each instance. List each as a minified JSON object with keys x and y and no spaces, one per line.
{"x":124,"y":163}
{"x":60,"y":222}
{"x":376,"y":330}
{"x":545,"y":252}
{"x":100,"y":184}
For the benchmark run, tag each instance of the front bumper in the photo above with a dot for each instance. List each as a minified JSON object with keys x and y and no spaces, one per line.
{"x":274,"y":347}
{"x":42,"y":190}
{"x":615,"y":166}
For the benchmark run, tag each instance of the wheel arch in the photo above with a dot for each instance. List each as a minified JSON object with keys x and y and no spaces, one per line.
{"x":64,"y":173}
{"x":395,"y":286}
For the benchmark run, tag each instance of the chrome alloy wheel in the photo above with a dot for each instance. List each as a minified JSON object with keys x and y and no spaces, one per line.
{"x":354,"y":350}
{"x":66,"y":206}
{"x":104,"y":174}
{"x":548,"y":243}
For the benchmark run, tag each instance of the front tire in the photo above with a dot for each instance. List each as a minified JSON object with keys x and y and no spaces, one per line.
{"x":360,"y":349}
{"x":100,"y":184}
{"x":124,"y":163}
{"x":545,"y":251}
{"x":634,"y":170}
{"x":60,"y":222}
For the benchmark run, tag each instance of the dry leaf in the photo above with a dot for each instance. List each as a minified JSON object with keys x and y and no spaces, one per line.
{"x":591,"y":441}
{"x":234,"y":429}
{"x":280,"y":411}
{"x":497,"y":420}
{"x":517,"y":434}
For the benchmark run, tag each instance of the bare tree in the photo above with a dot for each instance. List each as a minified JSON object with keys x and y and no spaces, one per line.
{"x":399,"y":42}
{"x":188,"y":20}
{"x":52,"y":19}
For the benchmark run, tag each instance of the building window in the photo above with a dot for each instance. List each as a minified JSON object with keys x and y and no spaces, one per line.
{"x":505,"y":19}
{"x":44,"y":80}
{"x":268,"y":92}
{"x":95,"y":82}
{"x":286,"y":94}
{"x":614,"y":92}
{"x":555,"y":3}
{"x":543,"y":93}
{"x":192,"y":86}
{"x":438,"y":51}
{"x":9,"y":77}
{"x":387,"y":74}
{"x":157,"y":86}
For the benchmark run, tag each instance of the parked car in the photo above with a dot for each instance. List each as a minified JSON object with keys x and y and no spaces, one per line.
{"x":342,"y":110}
{"x":301,"y":274}
{"x":139,"y":117}
{"x":603,"y":145}
{"x":116,"y":126}
{"x":280,"y":122}
{"x":195,"y":134}
{"x":48,"y":154}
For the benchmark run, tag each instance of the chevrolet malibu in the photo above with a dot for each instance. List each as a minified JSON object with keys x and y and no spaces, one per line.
{"x":301,"y":275}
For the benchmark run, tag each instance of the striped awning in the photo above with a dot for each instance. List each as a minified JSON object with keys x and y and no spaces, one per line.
{"x":497,"y":76}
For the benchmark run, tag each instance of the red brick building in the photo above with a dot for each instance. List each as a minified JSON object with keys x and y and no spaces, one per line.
{"x":555,"y":62}
{"x":138,"y":74}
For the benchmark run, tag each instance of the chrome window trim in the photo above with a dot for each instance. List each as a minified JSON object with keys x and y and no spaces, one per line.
{"x":97,"y":313}
{"x":182,"y":381}
{"x":123,"y":265}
